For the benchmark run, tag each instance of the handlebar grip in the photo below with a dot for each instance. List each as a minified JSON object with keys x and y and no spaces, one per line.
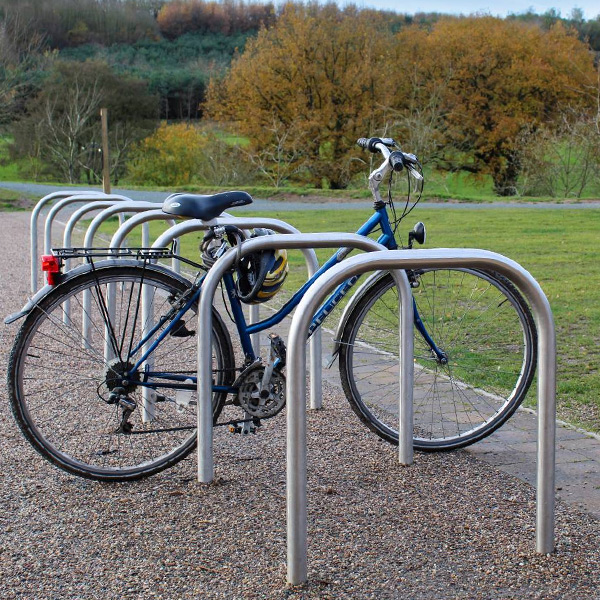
{"x":369,"y":143}
{"x":397,"y":161}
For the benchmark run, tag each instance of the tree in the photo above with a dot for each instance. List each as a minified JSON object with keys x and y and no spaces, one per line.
{"x":498,"y":78}
{"x":63,"y":125}
{"x":19,"y":56}
{"x":561,"y":161}
{"x":317,"y":75}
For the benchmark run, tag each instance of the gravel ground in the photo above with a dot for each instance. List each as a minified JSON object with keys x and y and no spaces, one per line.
{"x":448,"y":527}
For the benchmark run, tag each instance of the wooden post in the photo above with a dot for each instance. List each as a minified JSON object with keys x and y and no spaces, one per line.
{"x":105,"y":155}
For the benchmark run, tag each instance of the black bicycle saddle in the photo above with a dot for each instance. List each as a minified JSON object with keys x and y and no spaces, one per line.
{"x":204,"y":207}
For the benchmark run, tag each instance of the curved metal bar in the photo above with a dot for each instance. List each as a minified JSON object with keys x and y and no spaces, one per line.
{"x":209,"y":286}
{"x":128,"y":226}
{"x":33,"y":228}
{"x":414,"y":259}
{"x":77,"y":216}
{"x":67,"y":242}
{"x":312,"y":264}
{"x":128,"y":206}
{"x":71,"y":200}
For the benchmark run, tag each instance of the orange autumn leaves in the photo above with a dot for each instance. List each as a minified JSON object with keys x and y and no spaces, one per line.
{"x":460,"y":92}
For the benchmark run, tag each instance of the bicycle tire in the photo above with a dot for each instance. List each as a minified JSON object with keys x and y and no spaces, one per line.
{"x":60,"y":385}
{"x":482,"y":323}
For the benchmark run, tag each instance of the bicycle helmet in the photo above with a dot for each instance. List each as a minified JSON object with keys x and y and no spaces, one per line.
{"x":260,"y":275}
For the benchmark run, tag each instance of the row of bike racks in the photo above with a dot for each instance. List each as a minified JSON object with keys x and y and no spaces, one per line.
{"x":144,"y":212}
{"x":376,"y":258}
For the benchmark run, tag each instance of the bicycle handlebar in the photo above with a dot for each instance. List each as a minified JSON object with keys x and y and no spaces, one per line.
{"x":371,"y":143}
{"x":397,"y":159}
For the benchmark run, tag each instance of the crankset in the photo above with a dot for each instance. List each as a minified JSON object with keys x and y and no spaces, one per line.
{"x":261,"y":387}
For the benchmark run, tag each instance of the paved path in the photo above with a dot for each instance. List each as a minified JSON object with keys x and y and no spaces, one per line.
{"x":273,"y":205}
{"x":513,"y":448}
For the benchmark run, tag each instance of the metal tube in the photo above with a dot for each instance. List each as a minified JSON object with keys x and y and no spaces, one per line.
{"x":122,"y":207}
{"x":209,"y":286}
{"x":150,"y":215}
{"x":316,"y":399}
{"x":33,"y":228}
{"x":296,"y":399}
{"x":70,"y":226}
{"x":413,"y":259}
{"x":71,"y":200}
{"x":148,"y":398}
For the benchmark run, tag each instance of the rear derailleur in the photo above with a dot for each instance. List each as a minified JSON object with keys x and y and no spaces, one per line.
{"x":119,"y":396}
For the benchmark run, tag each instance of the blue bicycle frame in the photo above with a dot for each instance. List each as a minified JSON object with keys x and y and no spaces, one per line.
{"x":379,"y":220}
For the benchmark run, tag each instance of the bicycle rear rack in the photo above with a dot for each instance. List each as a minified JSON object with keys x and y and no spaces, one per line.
{"x":137,"y":253}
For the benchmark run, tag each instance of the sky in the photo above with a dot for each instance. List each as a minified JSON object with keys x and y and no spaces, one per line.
{"x":590,"y":8}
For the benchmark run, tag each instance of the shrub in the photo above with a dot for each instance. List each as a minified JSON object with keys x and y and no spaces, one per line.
{"x":182,"y":154}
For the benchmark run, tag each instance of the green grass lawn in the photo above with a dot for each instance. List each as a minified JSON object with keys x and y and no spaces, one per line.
{"x":11,"y":200}
{"x":559,"y":247}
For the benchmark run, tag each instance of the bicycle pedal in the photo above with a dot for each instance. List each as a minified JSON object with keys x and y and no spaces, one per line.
{"x":180,"y":330}
{"x":245,"y":427}
{"x":278,"y":348}
{"x":242,"y":430}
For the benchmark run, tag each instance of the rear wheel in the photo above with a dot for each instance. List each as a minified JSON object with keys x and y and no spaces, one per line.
{"x":73,"y":387}
{"x":486,"y":332}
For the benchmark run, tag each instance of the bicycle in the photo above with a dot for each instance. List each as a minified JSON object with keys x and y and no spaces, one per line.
{"x":114,"y":399}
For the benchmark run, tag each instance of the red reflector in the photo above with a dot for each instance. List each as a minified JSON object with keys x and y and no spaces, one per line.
{"x":50,"y":264}
{"x":53,"y":278}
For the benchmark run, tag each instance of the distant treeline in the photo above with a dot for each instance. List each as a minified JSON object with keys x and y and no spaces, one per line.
{"x":300,"y":82}
{"x":69,"y":23}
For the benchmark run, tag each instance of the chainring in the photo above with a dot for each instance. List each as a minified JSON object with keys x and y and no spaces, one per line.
{"x":259,"y":404}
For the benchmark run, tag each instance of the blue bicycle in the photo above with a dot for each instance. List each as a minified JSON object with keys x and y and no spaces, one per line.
{"x":107,"y":389}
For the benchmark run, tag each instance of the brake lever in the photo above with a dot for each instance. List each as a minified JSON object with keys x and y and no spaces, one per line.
{"x":414,"y":172}
{"x":410,"y":160}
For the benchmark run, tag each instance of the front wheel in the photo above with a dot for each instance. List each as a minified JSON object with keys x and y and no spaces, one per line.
{"x":487,"y":340}
{"x":73,"y":385}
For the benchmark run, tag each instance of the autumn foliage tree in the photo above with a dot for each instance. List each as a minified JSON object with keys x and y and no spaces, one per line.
{"x":491,"y":79}
{"x":181,"y":154}
{"x":460,"y":92}
{"x":306,"y":89}
{"x":178,"y":17}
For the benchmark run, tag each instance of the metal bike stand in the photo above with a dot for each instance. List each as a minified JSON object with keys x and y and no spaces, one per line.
{"x":415,"y":259}
{"x":76,"y":217}
{"x":33,"y":228}
{"x":129,"y":206}
{"x":72,"y":200}
{"x":68,"y":234}
{"x":126,"y":228}
{"x":316,"y":385}
{"x":209,"y":286}
{"x":128,"y":225}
